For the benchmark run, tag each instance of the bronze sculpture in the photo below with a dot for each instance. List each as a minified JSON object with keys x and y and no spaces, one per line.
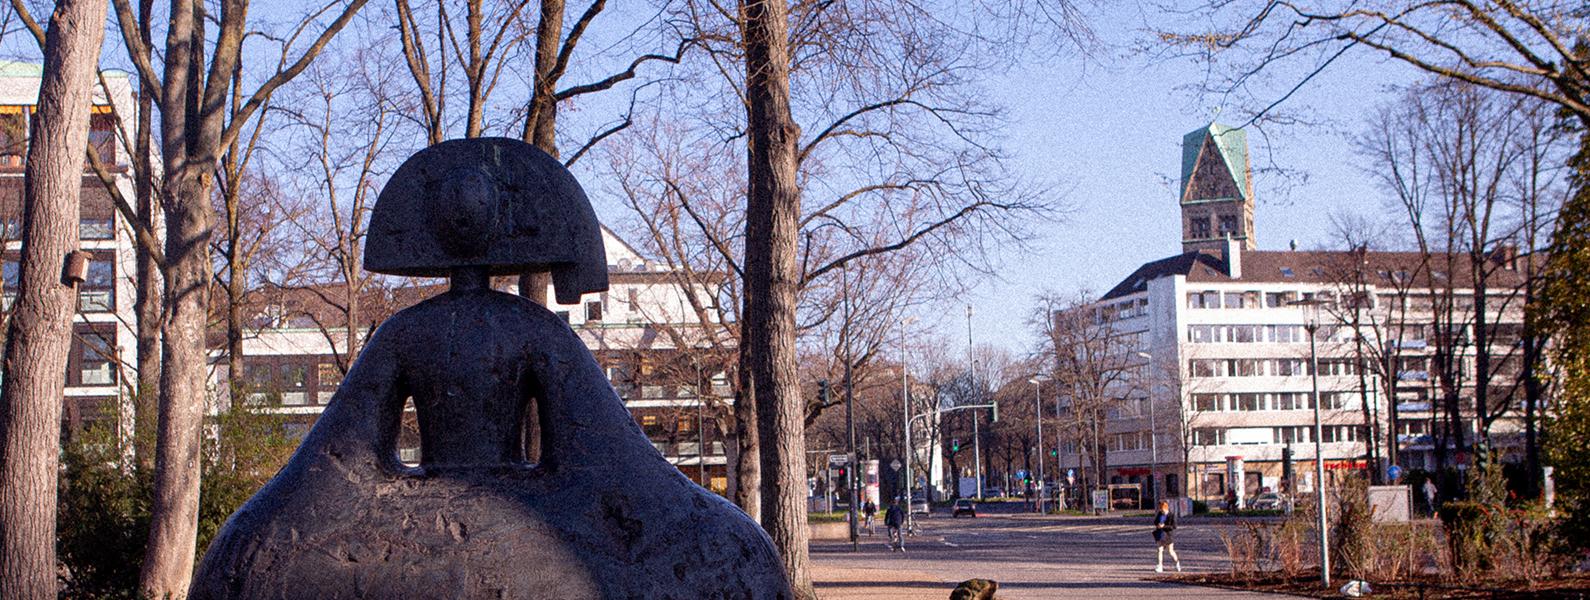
{"x":602,"y":515}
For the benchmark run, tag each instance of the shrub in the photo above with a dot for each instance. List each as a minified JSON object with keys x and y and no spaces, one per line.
{"x":1353,"y":530}
{"x":1199,"y":507}
{"x":103,"y":519}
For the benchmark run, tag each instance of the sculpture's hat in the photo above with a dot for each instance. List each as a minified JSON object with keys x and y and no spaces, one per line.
{"x":491,"y":202}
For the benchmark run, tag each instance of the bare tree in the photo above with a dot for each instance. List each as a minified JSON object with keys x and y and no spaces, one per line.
{"x":192,"y":90}
{"x":343,"y":128}
{"x":1459,"y":159}
{"x":1094,"y":368}
{"x":39,"y":336}
{"x":1528,"y":50}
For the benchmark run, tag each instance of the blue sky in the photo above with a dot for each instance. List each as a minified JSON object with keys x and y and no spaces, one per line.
{"x":1109,"y":130}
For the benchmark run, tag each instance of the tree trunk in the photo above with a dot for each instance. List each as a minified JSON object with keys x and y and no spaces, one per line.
{"x":148,"y":303}
{"x":174,"y":512}
{"x":771,"y":281}
{"x":747,"y":458}
{"x":540,"y":125}
{"x":235,"y":281}
{"x":41,"y":334}
{"x":189,"y":152}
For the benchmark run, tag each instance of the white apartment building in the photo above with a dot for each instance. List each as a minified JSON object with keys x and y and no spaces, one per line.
{"x":102,"y":367}
{"x":1217,"y":360}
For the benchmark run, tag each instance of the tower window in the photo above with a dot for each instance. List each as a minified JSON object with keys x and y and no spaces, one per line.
{"x":1228,"y":225}
{"x":1198,"y":228}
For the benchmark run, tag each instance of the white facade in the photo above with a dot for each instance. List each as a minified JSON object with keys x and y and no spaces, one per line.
{"x":102,"y":367}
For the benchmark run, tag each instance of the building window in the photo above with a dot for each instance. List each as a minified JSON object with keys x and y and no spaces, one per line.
{"x":1236,"y":300}
{"x":258,"y":376}
{"x":97,"y":292}
{"x":327,"y":375}
{"x":1206,"y":402}
{"x":1206,"y":368}
{"x":1209,"y":436}
{"x":1288,"y":367}
{"x":1291,"y":401}
{"x":563,"y":314}
{"x":1291,"y":435}
{"x":13,"y":279}
{"x":1203,"y":299}
{"x":295,"y":380}
{"x":1228,"y":225}
{"x":13,"y":136}
{"x":96,"y":229}
{"x":96,"y":363}
{"x":1203,"y":334}
{"x":1198,"y":228}
{"x":102,"y":136}
{"x":1278,"y":299}
{"x":1247,"y":402}
{"x":593,"y":311}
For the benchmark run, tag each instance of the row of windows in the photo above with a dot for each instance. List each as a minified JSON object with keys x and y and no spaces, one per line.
{"x":88,"y":229}
{"x":97,"y":293}
{"x":1247,"y":334}
{"x":1125,"y":309}
{"x":288,"y":384}
{"x":1257,"y":401}
{"x":1267,"y":367}
{"x":1198,"y":226}
{"x":1250,"y":298}
{"x":1239,"y":436}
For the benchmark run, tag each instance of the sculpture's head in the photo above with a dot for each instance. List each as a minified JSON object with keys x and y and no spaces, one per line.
{"x":497,"y":203}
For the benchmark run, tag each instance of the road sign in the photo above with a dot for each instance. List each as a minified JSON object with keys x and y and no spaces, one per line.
{"x":1393,"y":472}
{"x":1071,"y":476}
{"x":838,"y":459}
{"x":895,"y":464}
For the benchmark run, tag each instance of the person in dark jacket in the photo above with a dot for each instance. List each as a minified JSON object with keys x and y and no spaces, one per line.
{"x":893,"y":519}
{"x":1165,"y":536}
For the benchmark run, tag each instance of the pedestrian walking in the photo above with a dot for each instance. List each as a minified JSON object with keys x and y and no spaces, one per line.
{"x":893,"y":519}
{"x":1429,"y":493}
{"x":1165,"y":536}
{"x":869,"y":509}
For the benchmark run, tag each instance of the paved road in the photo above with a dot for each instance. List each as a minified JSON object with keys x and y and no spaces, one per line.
{"x":1031,"y":557}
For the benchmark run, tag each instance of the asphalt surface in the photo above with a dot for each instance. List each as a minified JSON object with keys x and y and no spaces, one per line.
{"x":1028,"y":555}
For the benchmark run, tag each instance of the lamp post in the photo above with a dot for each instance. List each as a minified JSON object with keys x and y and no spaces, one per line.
{"x":1312,"y":308}
{"x":971,"y":376}
{"x":1037,"y":403}
{"x":1153,"y":431}
{"x":905,"y":405}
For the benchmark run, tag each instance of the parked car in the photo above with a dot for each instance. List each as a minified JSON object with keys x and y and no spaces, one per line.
{"x":919,"y":506}
{"x":993,"y":493}
{"x":964,"y":507}
{"x":1269,"y":501}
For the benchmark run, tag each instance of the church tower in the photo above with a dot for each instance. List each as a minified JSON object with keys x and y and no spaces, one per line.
{"x":1216,"y":189}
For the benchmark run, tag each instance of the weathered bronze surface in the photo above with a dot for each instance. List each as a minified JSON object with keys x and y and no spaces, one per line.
{"x":603,"y":515}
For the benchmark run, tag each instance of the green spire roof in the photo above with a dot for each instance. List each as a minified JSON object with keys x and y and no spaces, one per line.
{"x":1230,"y":145}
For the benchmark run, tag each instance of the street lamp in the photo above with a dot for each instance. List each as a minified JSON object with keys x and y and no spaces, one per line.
{"x":905,"y":404}
{"x":1037,"y":403}
{"x":1153,"y":431}
{"x":1313,"y":308}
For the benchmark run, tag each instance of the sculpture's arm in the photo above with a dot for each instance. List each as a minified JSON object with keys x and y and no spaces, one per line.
{"x":360,"y":425}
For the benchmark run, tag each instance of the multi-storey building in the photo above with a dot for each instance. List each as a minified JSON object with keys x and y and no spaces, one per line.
{"x":643,"y":331}
{"x":1215,"y":357}
{"x":103,"y":360}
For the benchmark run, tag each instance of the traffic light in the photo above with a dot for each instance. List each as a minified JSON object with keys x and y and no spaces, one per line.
{"x":822,"y":392}
{"x":843,"y":472}
{"x":955,"y":445}
{"x":995,"y":418}
{"x":1054,"y":453}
